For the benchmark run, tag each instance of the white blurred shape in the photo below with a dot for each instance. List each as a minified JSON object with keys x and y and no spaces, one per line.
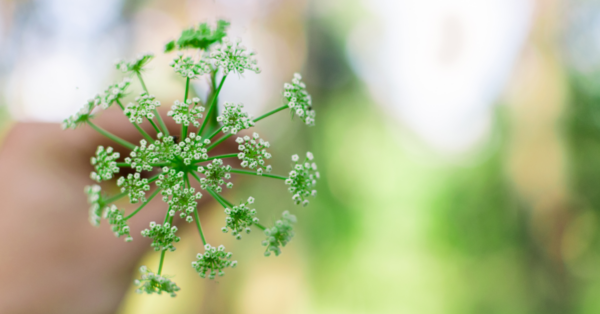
{"x":61,"y":67}
{"x":440,"y":64}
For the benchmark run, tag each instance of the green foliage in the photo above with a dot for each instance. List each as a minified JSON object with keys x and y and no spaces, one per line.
{"x":199,"y":38}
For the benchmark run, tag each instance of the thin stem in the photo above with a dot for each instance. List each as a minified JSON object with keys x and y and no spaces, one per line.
{"x":267,"y":175}
{"x":158,"y":117}
{"x":215,"y":133}
{"x":217,"y":198}
{"x":270,"y":113}
{"x":183,"y":126}
{"x":154,"y":126}
{"x":219,"y":141}
{"x":162,"y":260}
{"x":114,"y":198}
{"x":212,"y":105}
{"x":139,"y":75}
{"x":198,"y":224}
{"x":260,"y":226}
{"x":111,"y":136}
{"x":143,"y":204}
{"x":120,"y":104}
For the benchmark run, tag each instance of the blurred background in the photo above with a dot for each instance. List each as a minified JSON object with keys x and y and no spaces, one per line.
{"x":458,"y":142}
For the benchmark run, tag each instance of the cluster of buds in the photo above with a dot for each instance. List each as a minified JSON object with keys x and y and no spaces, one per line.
{"x":184,"y":201}
{"x":280,"y":234}
{"x":135,"y":187}
{"x":233,"y":56}
{"x":215,"y":174}
{"x":170,"y":181}
{"x":253,"y":153}
{"x":105,"y":164}
{"x":183,"y":114}
{"x":214,"y":260}
{"x":96,"y":205}
{"x":234,"y":118}
{"x":117,"y":221}
{"x":115,"y":92}
{"x":162,"y":237}
{"x":303,"y":179}
{"x":135,"y":65}
{"x":299,"y":100}
{"x":187,"y":67}
{"x":193,"y":148}
{"x":240,"y":218}
{"x":154,"y":283}
{"x":144,"y":107}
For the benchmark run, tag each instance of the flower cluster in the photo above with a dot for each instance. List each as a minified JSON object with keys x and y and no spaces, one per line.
{"x":188,"y":68}
{"x":135,"y":65}
{"x":280,"y":234}
{"x":144,"y":107}
{"x":135,"y":187}
{"x":213,"y":260}
{"x":234,"y":119}
{"x":162,"y":236}
{"x":95,"y":201}
{"x":118,"y":222}
{"x":215,"y":174}
{"x":105,"y":164}
{"x":153,"y":283}
{"x":183,"y":114}
{"x":193,"y":148}
{"x":233,"y":56}
{"x":302,"y":179}
{"x":142,"y":157}
{"x":253,"y":153}
{"x":115,"y":92}
{"x":82,"y":116}
{"x":240,"y":218}
{"x":299,"y":100}
{"x":184,"y":201}
{"x":189,"y":154}
{"x":170,"y":181}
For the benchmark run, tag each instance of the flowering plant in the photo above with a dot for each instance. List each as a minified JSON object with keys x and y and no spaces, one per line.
{"x":185,"y":157}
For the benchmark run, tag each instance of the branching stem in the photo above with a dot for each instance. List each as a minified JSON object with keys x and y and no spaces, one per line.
{"x":111,"y":136}
{"x":143,"y":204}
{"x":198,"y":223}
{"x":160,"y":120}
{"x":144,"y":134}
{"x":242,"y":171}
{"x":211,"y":105}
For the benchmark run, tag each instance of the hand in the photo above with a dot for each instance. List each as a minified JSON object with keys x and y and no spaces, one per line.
{"x":51,"y":259}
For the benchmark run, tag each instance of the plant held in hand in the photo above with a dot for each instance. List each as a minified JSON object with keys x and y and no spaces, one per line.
{"x":187,"y":156}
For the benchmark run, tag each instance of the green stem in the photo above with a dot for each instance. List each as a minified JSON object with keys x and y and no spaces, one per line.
{"x":120,"y":104}
{"x":217,"y":198}
{"x":154,"y":126}
{"x":162,"y":260}
{"x":114,"y":198}
{"x":270,"y":113}
{"x":143,"y":205}
{"x":242,"y":171}
{"x":158,"y":117}
{"x":139,"y":76}
{"x":260,"y":226}
{"x":198,"y":224}
{"x":111,"y":136}
{"x":183,"y":126}
{"x":219,"y":141}
{"x":210,"y":137}
{"x":211,"y":105}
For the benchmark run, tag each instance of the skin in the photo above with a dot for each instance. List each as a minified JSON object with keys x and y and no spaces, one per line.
{"x":52,"y":260}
